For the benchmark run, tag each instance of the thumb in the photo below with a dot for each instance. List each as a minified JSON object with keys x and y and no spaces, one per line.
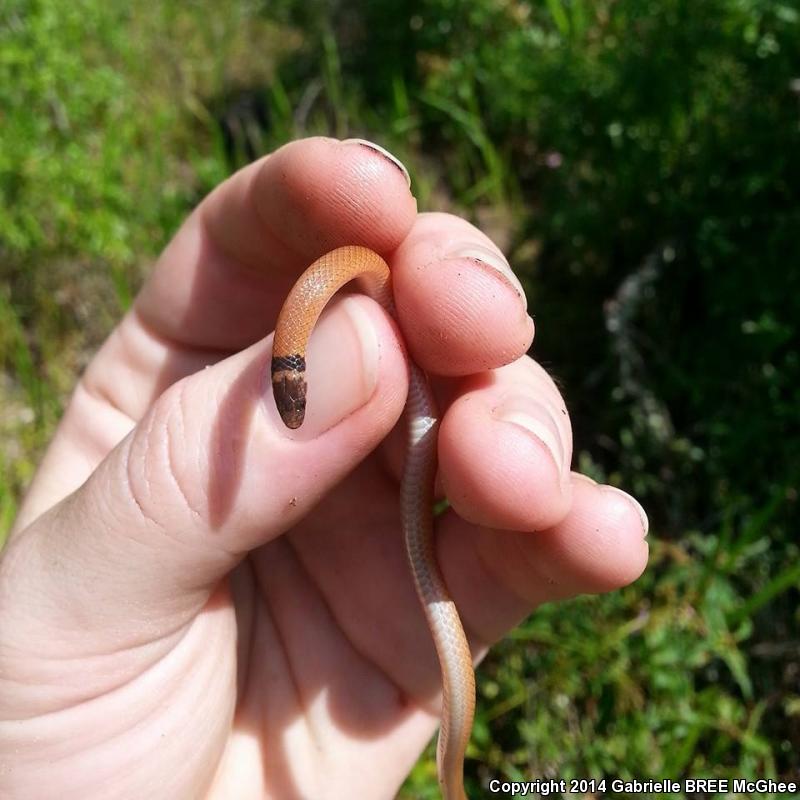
{"x":209,"y":473}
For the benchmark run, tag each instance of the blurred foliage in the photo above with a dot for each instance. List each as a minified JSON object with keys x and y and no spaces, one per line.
{"x":640,"y":164}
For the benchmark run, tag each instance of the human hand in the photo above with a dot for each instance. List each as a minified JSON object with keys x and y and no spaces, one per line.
{"x":197,"y":602}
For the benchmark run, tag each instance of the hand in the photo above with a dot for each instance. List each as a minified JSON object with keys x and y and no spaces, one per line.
{"x":197,"y":602}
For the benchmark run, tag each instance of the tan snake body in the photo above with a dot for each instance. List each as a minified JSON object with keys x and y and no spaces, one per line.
{"x":296,"y":320}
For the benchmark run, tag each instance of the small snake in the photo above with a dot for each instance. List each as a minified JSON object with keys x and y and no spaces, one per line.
{"x":296,"y":320}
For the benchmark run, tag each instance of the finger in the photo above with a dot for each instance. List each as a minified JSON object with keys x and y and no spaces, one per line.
{"x":221,"y":281}
{"x":461,"y":308}
{"x":208,"y":474}
{"x":498,"y":577}
{"x":219,"y":284}
{"x":505,"y":446}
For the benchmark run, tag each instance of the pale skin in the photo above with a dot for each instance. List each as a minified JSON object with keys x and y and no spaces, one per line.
{"x":197,"y":602}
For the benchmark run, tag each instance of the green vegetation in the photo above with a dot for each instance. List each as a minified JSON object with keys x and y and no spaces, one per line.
{"x":638,"y":161}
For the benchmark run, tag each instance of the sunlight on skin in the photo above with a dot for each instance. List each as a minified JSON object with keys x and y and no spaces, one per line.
{"x":208,"y":593}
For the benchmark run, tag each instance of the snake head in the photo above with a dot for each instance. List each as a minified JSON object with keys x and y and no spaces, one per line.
{"x":289,"y":389}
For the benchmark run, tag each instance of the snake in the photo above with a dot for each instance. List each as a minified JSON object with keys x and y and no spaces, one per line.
{"x":296,"y":320}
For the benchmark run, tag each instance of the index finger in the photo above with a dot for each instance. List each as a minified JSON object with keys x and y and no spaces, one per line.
{"x":219,"y":284}
{"x":222,"y":279}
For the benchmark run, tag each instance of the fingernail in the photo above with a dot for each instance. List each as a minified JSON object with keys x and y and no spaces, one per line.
{"x":493,"y":259}
{"x":579,"y":476}
{"x":535,"y":418}
{"x":385,"y":153}
{"x":635,"y":503}
{"x":341,"y":367}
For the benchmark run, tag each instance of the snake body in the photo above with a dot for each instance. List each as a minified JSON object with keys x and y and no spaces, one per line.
{"x":297,"y":318}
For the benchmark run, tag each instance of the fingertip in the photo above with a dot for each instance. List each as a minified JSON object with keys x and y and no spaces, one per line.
{"x":321,"y":193}
{"x":384,"y":153}
{"x":604,"y":536}
{"x":598,"y":547}
{"x":461,"y":307}
{"x":501,"y":473}
{"x":619,"y":496}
